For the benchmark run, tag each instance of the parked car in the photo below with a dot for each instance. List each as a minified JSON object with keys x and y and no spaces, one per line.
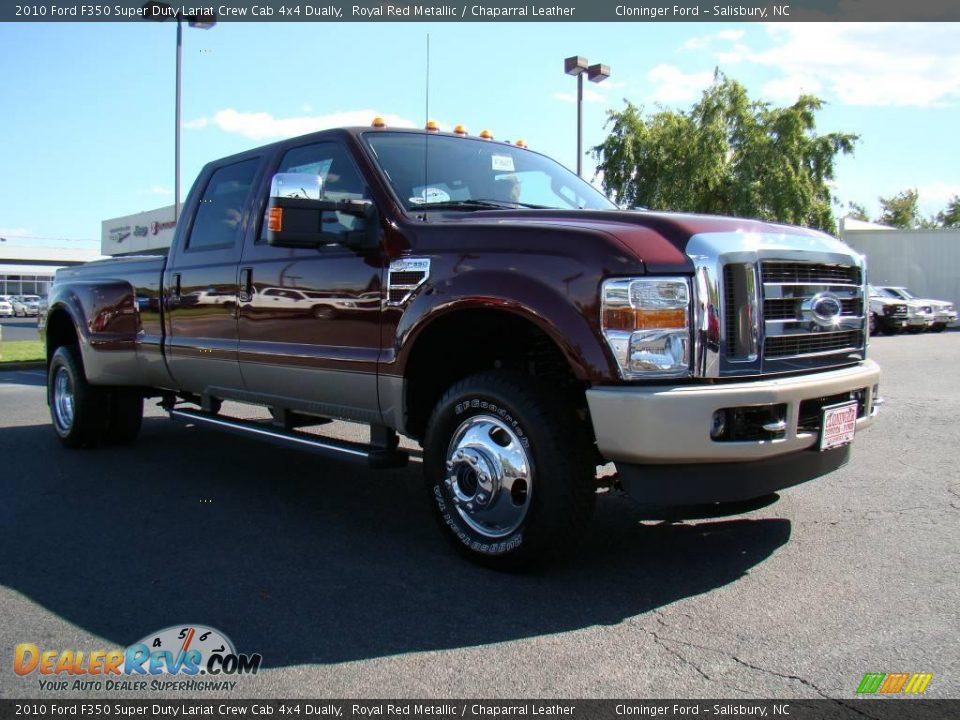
{"x":6,"y":307}
{"x":888,"y":315}
{"x":919,"y":313}
{"x":26,"y":305}
{"x":944,"y":311}
{"x":503,"y":313}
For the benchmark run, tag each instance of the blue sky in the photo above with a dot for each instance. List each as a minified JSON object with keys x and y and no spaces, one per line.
{"x":87,"y":110}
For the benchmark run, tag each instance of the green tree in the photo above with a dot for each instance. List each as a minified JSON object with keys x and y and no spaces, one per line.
{"x":950,"y":216}
{"x":901,"y":211}
{"x":727,"y":155}
{"x":857,"y":212}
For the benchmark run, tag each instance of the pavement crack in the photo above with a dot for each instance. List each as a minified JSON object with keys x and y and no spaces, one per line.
{"x":661,"y":641}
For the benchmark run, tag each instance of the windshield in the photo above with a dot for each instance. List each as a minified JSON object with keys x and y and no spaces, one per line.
{"x":437,"y":172}
{"x":885,"y":292}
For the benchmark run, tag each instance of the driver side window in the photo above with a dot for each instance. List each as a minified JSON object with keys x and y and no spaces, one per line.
{"x":341,"y":180}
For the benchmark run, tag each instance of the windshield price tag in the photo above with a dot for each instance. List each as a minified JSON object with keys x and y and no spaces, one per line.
{"x":502,"y":163}
{"x":839,"y":424}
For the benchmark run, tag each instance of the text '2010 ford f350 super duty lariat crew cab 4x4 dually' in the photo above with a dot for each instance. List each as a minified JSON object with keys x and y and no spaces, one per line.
{"x":483,"y":300}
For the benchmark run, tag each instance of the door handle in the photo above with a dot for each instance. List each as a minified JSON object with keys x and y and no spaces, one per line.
{"x":246,"y":285}
{"x":174,"y":298}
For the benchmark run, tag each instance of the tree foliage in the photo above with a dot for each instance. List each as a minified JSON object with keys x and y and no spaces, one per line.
{"x":950,"y":216}
{"x":727,"y":155}
{"x":857,"y":212}
{"x":901,"y":210}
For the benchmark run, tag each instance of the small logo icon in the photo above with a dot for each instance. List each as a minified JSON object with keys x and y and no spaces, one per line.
{"x":894,"y":683}
{"x":825,"y":308}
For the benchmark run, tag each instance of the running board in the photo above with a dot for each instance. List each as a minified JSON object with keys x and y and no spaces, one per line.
{"x":379,"y":458}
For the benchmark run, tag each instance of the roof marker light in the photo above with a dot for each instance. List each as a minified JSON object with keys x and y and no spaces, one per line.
{"x":378,"y":122}
{"x":432,"y":126}
{"x":521,"y":143}
{"x":486,"y":135}
{"x":459,"y":130}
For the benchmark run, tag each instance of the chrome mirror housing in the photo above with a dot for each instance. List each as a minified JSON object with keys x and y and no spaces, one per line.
{"x":303,"y":186}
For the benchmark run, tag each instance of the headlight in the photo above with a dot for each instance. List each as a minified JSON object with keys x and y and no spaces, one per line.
{"x":646,"y":322}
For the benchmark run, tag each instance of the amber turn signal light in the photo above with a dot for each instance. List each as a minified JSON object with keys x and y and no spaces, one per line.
{"x":275,"y":219}
{"x":630,"y":320}
{"x":379,"y":122}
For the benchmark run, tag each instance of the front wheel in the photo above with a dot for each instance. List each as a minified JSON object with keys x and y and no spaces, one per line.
{"x":79,"y":410}
{"x":874,"y":324}
{"x":508,"y":470}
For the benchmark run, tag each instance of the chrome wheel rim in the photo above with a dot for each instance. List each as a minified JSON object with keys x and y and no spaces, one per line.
{"x":63,"y":400}
{"x":489,"y":476}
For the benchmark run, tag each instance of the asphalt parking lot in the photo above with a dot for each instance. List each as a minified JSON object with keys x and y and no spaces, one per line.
{"x":337,"y":576}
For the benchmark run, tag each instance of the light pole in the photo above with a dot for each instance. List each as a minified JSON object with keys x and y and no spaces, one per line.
{"x":577,"y":65}
{"x":160,"y":11}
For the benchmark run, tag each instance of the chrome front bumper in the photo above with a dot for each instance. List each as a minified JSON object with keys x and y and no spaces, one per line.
{"x":670,"y":424}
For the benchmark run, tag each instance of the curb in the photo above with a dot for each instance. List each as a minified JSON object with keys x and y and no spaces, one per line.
{"x":15,"y":366}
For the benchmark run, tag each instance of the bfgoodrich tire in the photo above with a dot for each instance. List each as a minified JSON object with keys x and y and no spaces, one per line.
{"x":509,"y":470}
{"x":79,"y":410}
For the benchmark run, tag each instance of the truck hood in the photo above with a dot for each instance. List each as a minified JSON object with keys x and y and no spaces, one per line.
{"x":659,"y":240}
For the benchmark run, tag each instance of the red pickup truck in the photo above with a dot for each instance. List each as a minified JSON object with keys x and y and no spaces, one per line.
{"x":483,"y":300}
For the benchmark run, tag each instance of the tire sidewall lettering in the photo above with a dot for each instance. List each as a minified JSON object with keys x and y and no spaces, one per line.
{"x":448,"y":515}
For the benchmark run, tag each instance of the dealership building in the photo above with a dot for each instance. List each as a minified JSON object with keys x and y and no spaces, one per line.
{"x":147,"y":232}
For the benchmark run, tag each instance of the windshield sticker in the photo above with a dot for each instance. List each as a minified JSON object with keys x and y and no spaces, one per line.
{"x":431,"y":195}
{"x":503,"y":163}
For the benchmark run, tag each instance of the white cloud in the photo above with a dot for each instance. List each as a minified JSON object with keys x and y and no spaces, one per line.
{"x":263,"y":125}
{"x":673,"y":85}
{"x":792,"y":87}
{"x":862,"y":64}
{"x":934,"y":196}
{"x":704,"y":41}
{"x":200,"y":122}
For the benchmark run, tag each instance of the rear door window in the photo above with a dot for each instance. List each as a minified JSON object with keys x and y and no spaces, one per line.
{"x":219,"y":220}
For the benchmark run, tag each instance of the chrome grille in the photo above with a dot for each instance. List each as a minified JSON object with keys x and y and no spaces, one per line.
{"x":812,"y":344}
{"x":775,"y":303}
{"x":788,"y":293}
{"x":792,"y":308}
{"x":775,"y":271}
{"x":792,"y":293}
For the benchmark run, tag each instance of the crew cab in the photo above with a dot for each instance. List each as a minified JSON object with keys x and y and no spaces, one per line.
{"x":486,"y":302}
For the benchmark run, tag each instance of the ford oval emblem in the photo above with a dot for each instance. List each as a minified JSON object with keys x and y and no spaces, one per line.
{"x":826,"y":309}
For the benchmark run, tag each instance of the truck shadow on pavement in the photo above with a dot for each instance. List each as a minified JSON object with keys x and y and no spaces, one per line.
{"x":308,"y":560}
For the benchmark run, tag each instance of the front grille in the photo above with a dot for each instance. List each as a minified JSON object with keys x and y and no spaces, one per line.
{"x":775,"y":271}
{"x":899,"y":311}
{"x":791,"y":308}
{"x":793,"y":345}
{"x":788,"y":295}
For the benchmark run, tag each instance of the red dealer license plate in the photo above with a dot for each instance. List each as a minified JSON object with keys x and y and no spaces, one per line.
{"x":839,"y":424}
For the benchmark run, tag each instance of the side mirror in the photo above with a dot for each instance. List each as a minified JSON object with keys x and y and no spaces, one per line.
{"x":296,"y":209}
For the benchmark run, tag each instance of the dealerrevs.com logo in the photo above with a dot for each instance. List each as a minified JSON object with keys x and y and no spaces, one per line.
{"x":182,"y":652}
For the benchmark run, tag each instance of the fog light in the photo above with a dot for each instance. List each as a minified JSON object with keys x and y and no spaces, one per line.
{"x":719,"y":425}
